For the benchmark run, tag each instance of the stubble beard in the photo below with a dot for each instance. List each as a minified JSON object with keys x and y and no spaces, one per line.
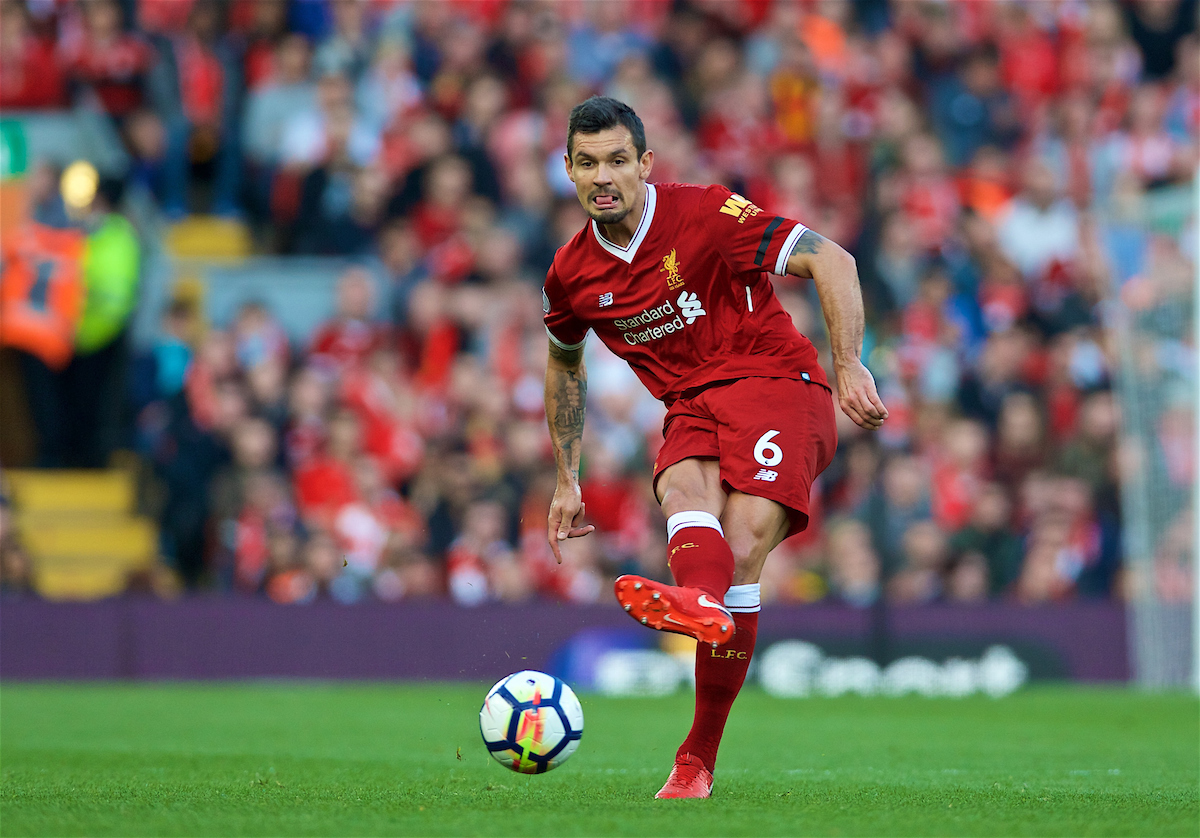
{"x":607,"y":216}
{"x":613,"y":216}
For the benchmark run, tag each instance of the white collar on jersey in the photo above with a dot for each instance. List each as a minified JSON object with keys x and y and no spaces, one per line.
{"x":626,"y":254}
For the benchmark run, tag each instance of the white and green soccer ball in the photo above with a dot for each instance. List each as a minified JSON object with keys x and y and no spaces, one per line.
{"x":531,"y":722}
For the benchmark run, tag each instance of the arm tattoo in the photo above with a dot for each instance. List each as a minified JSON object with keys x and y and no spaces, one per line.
{"x":566,"y":401}
{"x":566,"y":357}
{"x":567,"y":393}
{"x":569,"y":396}
{"x":809,"y":242}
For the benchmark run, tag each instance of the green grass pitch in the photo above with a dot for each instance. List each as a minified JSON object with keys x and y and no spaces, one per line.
{"x":352,"y":759}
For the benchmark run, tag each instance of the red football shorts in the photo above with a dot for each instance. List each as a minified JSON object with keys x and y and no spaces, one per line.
{"x":772,"y":437}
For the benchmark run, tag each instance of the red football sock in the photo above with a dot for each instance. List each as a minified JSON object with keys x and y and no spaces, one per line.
{"x":698,"y":554}
{"x":720,"y":674}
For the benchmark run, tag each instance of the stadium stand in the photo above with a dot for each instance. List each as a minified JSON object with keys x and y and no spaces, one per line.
{"x":332,"y":382}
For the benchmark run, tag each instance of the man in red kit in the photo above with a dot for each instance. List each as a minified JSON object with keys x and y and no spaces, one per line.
{"x":345,"y":342}
{"x":673,"y":278}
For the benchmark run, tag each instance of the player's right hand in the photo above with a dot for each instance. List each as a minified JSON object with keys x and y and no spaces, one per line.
{"x":858,"y":397}
{"x":566,"y":515}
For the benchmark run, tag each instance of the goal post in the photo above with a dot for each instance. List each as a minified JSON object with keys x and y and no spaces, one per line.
{"x":1155,"y":317}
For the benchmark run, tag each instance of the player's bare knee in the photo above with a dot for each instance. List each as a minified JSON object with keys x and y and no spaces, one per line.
{"x":748,"y":560}
{"x":749,"y":551}
{"x":754,"y":522}
{"x":748,"y":572}
{"x":753,"y":528}
{"x":691,"y":485}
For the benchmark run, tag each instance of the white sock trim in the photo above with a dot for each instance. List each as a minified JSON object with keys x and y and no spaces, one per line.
{"x":744,"y":599}
{"x":692,"y":519}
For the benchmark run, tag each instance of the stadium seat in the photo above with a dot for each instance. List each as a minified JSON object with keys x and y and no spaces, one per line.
{"x":81,"y":532}
{"x":79,"y":583}
{"x":42,"y":491}
{"x":209,"y":237}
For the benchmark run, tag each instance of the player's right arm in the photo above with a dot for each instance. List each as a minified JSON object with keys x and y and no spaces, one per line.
{"x":566,"y":401}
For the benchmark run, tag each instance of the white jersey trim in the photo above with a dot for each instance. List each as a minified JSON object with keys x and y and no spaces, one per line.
{"x":786,"y":250}
{"x":569,"y":347}
{"x":626,"y":254}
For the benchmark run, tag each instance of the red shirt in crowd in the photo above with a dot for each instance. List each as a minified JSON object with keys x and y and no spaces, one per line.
{"x":932,"y":204}
{"x":324,"y":486}
{"x":343,"y":344}
{"x":114,"y":70}
{"x":32,"y":78}
{"x":953,"y":495}
{"x":201,"y":81}
{"x":303,"y":441}
{"x":393,"y":443}
{"x":258,"y":62}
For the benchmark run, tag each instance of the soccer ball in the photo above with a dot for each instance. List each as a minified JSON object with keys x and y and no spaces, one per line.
{"x":531,"y":722}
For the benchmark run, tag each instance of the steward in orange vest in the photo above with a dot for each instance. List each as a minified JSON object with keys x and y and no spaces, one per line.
{"x":41,"y":291}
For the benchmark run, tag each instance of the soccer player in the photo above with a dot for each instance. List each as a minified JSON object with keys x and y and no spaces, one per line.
{"x":673,"y":279}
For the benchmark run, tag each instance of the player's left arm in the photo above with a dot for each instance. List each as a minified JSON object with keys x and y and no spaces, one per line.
{"x":835,"y":274}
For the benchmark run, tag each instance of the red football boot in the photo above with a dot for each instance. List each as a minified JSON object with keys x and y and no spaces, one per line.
{"x":687,"y":611}
{"x":689,"y":778}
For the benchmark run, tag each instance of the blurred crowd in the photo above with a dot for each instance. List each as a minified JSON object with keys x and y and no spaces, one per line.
{"x":988,"y":164}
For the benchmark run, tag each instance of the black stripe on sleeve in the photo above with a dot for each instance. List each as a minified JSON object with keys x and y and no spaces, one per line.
{"x":766,"y":240}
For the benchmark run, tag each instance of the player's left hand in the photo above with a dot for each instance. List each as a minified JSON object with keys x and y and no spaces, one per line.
{"x":858,"y":397}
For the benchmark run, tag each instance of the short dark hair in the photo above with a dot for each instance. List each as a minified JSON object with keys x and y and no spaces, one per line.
{"x":599,"y":113}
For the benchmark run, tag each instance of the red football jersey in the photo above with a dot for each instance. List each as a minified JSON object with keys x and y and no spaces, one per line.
{"x":688,"y":301}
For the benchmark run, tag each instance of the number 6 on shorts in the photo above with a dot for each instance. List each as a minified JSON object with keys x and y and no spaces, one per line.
{"x":767,"y":452}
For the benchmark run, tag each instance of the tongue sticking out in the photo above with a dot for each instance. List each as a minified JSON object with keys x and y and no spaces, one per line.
{"x":606,"y":201}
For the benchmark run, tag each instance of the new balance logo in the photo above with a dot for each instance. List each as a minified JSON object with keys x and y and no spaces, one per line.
{"x":766,"y":474}
{"x":606,"y":299}
{"x":690,"y":307}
